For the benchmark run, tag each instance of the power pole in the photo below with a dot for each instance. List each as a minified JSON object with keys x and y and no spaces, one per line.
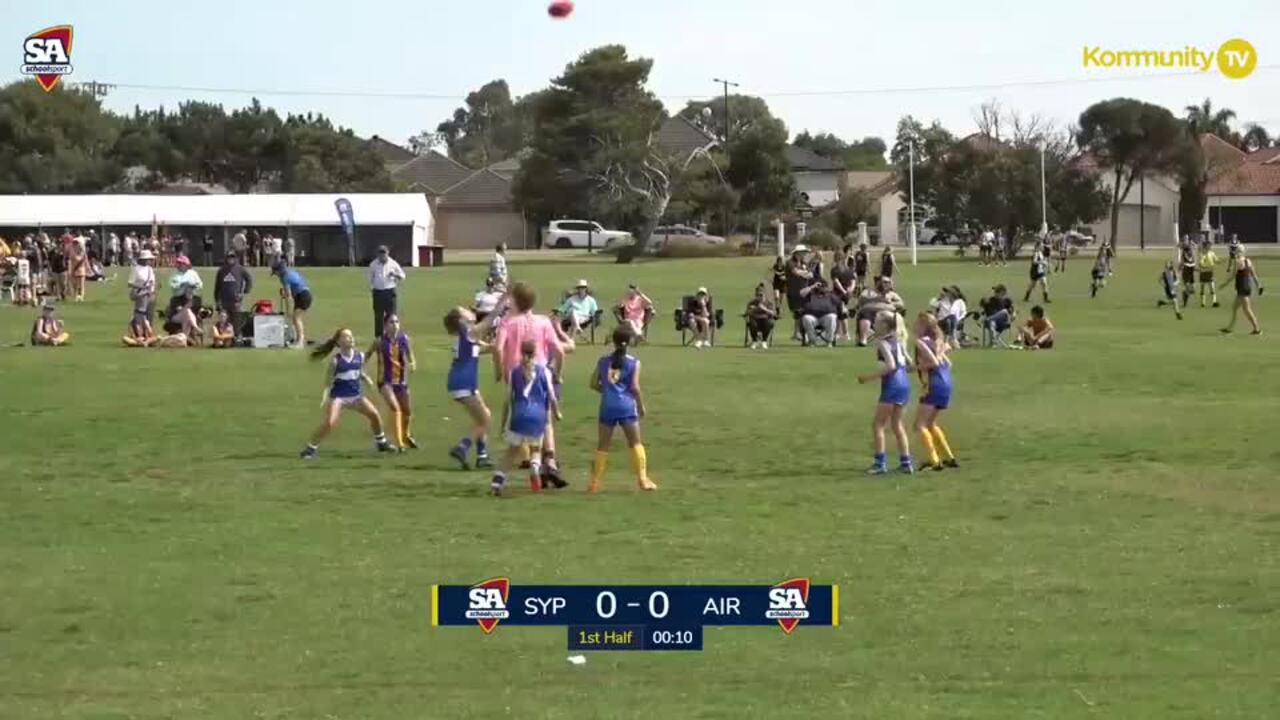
{"x":726,"y":84}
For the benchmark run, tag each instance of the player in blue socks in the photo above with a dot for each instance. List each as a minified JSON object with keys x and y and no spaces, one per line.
{"x":344,"y":390}
{"x":463,"y":385}
{"x":895,"y":392}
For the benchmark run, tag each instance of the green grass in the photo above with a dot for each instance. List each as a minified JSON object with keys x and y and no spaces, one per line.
{"x":1109,"y":548}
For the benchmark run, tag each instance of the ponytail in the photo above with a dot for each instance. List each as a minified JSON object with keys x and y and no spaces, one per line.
{"x":325,"y":348}
{"x":622,"y":338}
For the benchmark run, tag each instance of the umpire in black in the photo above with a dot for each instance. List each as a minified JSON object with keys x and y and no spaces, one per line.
{"x":385,"y":275}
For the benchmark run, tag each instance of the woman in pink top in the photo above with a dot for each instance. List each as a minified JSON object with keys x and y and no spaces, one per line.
{"x":634,"y":310}
{"x":521,"y":326}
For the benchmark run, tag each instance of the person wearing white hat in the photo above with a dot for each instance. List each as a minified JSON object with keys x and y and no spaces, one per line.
{"x":700,"y":318}
{"x":579,"y":309}
{"x":142,"y":286}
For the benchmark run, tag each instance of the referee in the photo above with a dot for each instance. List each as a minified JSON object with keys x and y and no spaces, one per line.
{"x":385,"y":275}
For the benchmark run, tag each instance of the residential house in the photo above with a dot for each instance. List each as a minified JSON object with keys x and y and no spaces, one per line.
{"x":1243,"y":194}
{"x":817,"y":178}
{"x":479,"y":213}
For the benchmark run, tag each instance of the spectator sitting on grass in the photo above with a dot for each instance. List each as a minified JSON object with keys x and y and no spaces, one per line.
{"x":223,"y":335}
{"x":877,"y":299}
{"x":183,"y":324}
{"x":48,"y":329}
{"x":578,"y":310}
{"x":1037,"y":332}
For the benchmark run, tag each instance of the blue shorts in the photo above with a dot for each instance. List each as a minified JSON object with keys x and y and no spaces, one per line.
{"x":939,"y":397}
{"x":895,"y":394}
{"x":619,"y":422}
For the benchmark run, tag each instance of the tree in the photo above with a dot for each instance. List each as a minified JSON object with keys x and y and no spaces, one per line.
{"x":854,"y":206}
{"x":865,"y":154}
{"x":759,"y":170}
{"x":488,"y":129}
{"x":57,"y":142}
{"x":1203,"y":118}
{"x":593,"y":146}
{"x":321,"y":158}
{"x":1132,"y":139}
{"x":1255,"y":137}
{"x":745,"y":111}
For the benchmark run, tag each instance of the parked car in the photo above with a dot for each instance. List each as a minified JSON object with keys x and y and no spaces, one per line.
{"x":564,"y":234}
{"x":663,"y":233}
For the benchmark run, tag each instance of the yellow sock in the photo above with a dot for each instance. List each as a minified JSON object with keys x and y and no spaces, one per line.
{"x":399,"y":425}
{"x":597,"y":469}
{"x":405,"y":422}
{"x":928,"y":446}
{"x":942,"y":442}
{"x":640,"y":464}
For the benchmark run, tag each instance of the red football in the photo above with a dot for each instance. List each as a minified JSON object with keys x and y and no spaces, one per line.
{"x":560,"y":9}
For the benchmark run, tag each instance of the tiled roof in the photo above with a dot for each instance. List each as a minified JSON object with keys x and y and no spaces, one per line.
{"x":432,"y":173}
{"x":866,"y":179}
{"x":483,"y":187}
{"x":1246,"y":179}
{"x":1235,"y":172}
{"x":678,"y":136}
{"x":392,"y":154}
{"x":804,"y":159}
{"x":509,"y":167}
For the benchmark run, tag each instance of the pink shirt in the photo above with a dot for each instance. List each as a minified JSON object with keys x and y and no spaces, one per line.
{"x":633,"y":309}
{"x":516,"y":329}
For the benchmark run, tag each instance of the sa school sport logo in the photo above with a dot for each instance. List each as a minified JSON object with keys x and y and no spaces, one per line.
{"x":47,"y":55}
{"x":487,"y":603}
{"x":787,"y":603}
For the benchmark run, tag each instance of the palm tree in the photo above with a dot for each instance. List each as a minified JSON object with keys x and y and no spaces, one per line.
{"x":1203,"y":118}
{"x":1255,"y":137}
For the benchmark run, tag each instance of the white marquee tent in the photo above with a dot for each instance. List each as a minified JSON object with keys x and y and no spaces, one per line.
{"x":408,"y":210}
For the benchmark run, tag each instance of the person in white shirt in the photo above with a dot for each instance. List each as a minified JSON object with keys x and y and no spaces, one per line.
{"x":142,"y":288}
{"x":487,"y":300}
{"x":22,"y":282}
{"x":385,"y":275}
{"x":113,"y":249}
{"x":289,"y":250}
{"x":130,"y":248}
{"x":498,"y":264}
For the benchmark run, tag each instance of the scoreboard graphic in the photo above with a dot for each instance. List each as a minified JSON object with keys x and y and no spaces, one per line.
{"x":635,"y":617}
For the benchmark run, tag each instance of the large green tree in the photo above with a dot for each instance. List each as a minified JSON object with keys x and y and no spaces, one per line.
{"x":744,"y":113}
{"x":489,"y":128}
{"x":322,"y":158}
{"x":1131,"y":139}
{"x":56,"y":142}
{"x":759,"y":170}
{"x":865,"y":154}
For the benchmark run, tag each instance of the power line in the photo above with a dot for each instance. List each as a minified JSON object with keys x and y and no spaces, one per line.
{"x":921,"y":89}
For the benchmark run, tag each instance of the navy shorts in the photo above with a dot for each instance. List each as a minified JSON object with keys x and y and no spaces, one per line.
{"x":618,"y":422}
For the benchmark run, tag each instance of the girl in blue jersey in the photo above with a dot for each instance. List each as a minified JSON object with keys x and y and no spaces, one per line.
{"x":344,"y":374}
{"x":463,"y":385}
{"x":617,"y":379}
{"x":395,"y":362}
{"x":895,"y":391}
{"x":294,"y":288}
{"x":934,"y":365}
{"x":530,"y":404}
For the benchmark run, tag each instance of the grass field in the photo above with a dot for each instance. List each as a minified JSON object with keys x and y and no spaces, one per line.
{"x":1109,"y":548}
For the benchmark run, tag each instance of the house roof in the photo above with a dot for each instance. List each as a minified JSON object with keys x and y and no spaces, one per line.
{"x":392,"y":154}
{"x":1235,"y":172}
{"x":509,"y":167}
{"x":872,"y":181}
{"x":1269,"y":155}
{"x":432,"y":173}
{"x":805,"y":160}
{"x":1247,"y":178}
{"x":678,"y":136}
{"x":483,"y":187}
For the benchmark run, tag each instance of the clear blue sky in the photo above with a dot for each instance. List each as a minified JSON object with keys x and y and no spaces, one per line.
{"x":449,"y":48}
